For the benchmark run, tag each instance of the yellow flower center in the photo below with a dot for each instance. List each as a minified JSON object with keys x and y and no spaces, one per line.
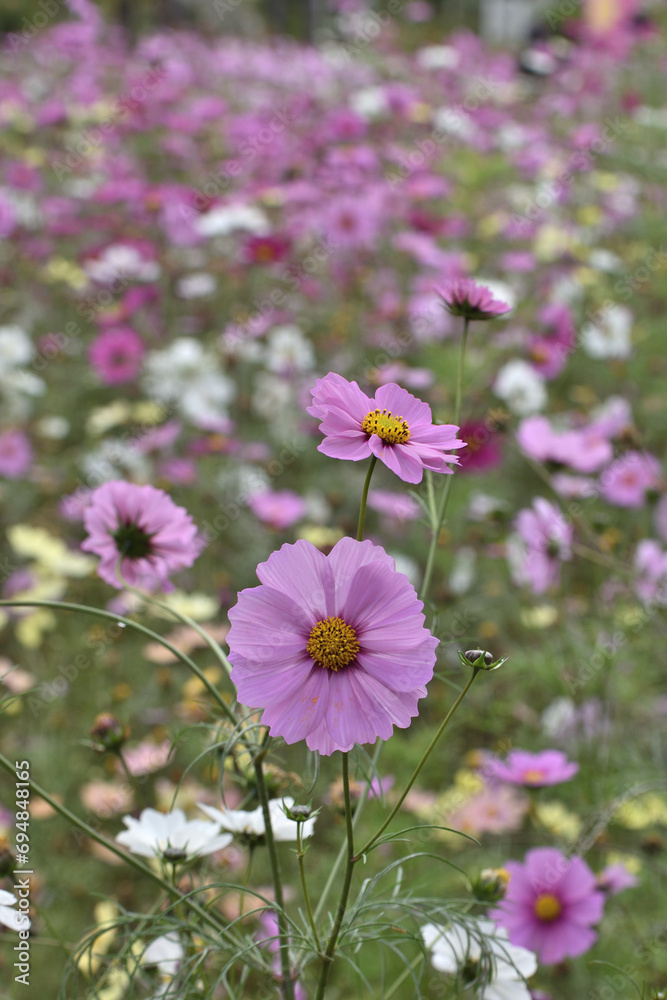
{"x":533,"y":777}
{"x":547,"y":907}
{"x":393,"y":430}
{"x":332,"y":643}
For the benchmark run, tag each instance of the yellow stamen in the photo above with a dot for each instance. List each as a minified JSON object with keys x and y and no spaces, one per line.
{"x":533,"y":777}
{"x":547,"y":907}
{"x":332,"y":643}
{"x":393,"y":430}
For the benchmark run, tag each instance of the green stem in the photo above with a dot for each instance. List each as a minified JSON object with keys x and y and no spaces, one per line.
{"x":444,"y":498}
{"x":283,"y":930}
{"x":418,"y":768}
{"x":340,"y":857}
{"x":364,"y":498}
{"x":134,"y":784}
{"x":304,"y":885}
{"x":129,"y":859}
{"x":65,"y":606}
{"x":328,"y":957}
{"x":403,"y":976}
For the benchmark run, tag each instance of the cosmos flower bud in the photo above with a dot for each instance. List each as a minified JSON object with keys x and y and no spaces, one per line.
{"x":490,"y":885}
{"x":480,"y":659}
{"x":298,"y":813}
{"x":109,"y":733}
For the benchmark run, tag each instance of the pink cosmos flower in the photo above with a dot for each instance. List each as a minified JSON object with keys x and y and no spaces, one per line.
{"x":142,"y":526}
{"x":278,"y":509}
{"x":116,"y":355}
{"x":397,"y":507}
{"x":466,"y":298}
{"x":650,"y":565}
{"x":544,"y":540}
{"x":627,"y":480}
{"x":534,"y":770}
{"x":16,"y":454}
{"x":550,"y":905}
{"x":394,"y":426}
{"x":333,"y":648}
{"x":616,"y":878}
{"x":494,"y":809}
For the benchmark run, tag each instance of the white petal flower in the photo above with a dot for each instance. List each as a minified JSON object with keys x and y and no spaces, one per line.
{"x":166,"y":952}
{"x":16,"y":920}
{"x":460,"y":947}
{"x":611,"y":335}
{"x":165,"y":835}
{"x":521,"y":387}
{"x":15,"y":347}
{"x":251,"y":824}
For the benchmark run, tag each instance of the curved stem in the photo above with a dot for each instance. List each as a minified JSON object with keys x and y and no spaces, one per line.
{"x":155,"y":636}
{"x":132,"y":779}
{"x":179,"y":616}
{"x":345,"y":891}
{"x":111,"y":845}
{"x":444,"y":498}
{"x":427,"y":753}
{"x":364,"y":498}
{"x":304,"y":885}
{"x":283,"y":931}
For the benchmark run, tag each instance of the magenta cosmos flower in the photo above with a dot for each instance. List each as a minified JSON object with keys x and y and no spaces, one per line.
{"x":550,"y":905}
{"x":466,"y":298}
{"x":394,"y":426}
{"x":116,"y":355}
{"x":550,"y":767}
{"x":333,"y":648}
{"x":144,"y":528}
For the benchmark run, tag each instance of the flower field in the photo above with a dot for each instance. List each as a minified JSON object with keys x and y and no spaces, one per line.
{"x":334,"y":515}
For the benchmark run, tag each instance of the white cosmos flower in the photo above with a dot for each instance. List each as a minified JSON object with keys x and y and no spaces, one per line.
{"x":15,"y":347}
{"x":521,"y":387}
{"x":288,"y":350}
{"x":225,"y":219}
{"x":16,"y":920}
{"x":121,"y":260}
{"x":166,"y":952}
{"x":611,"y":335}
{"x":155,"y":833}
{"x":251,"y":824}
{"x":483,"y":950}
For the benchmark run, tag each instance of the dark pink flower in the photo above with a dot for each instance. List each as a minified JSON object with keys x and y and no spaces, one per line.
{"x":482,"y":450}
{"x":551,"y":903}
{"x":16,"y":454}
{"x":116,"y":355}
{"x":144,"y":528}
{"x":550,"y":767}
{"x":333,"y":648}
{"x":394,"y":426}
{"x":466,"y":298}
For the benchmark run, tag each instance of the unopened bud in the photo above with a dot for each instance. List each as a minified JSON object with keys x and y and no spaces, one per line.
{"x":298,"y":813}
{"x":490,"y":885}
{"x":480,"y":659}
{"x":109,"y":733}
